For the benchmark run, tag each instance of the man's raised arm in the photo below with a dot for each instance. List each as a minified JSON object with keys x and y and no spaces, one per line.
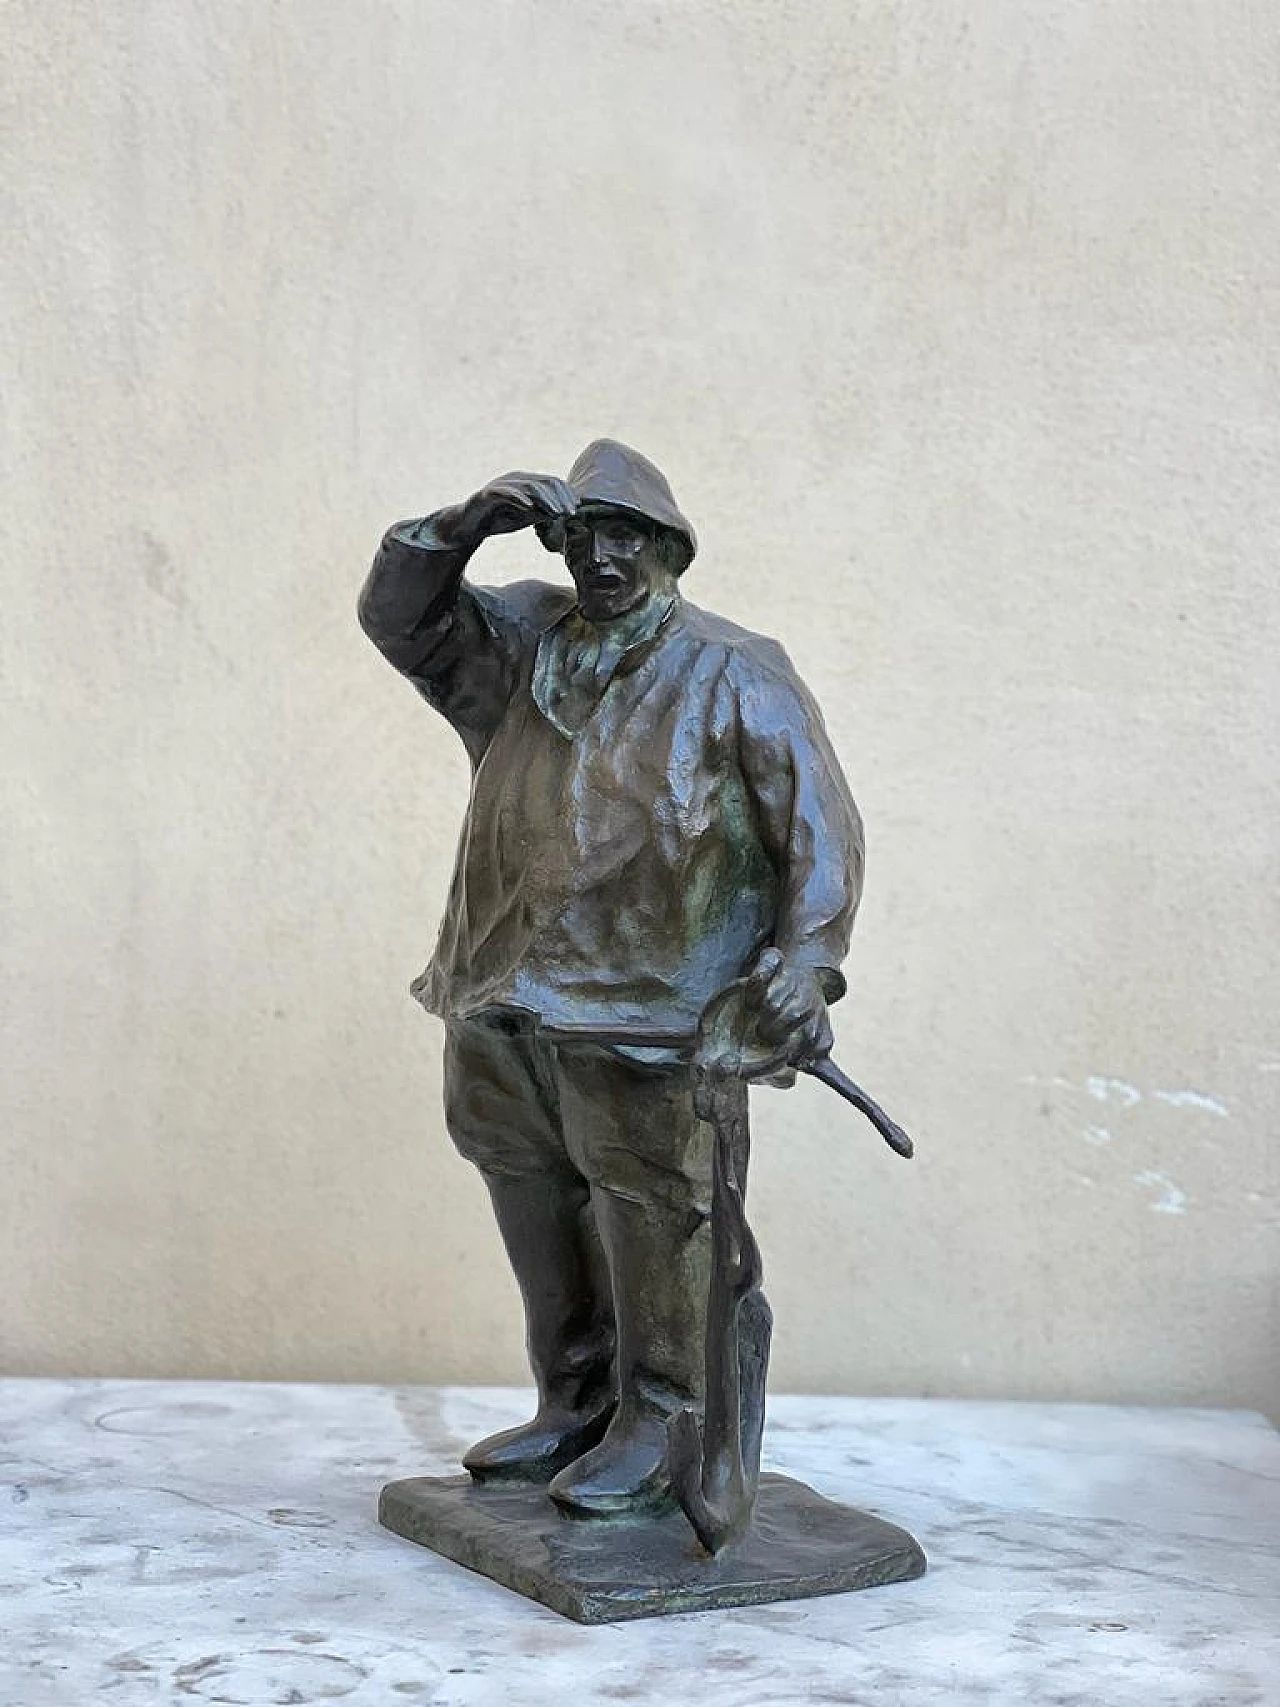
{"x":424,"y":619}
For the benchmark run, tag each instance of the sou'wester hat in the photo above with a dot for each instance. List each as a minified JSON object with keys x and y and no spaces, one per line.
{"x":611,"y":473}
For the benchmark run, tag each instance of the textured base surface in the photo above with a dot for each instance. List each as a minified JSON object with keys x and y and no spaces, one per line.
{"x":800,"y":1544}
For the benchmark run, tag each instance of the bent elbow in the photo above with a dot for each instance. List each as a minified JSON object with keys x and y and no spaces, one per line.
{"x":367,"y":614}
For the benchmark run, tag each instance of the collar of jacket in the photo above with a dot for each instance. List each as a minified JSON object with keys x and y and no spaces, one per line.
{"x":559,"y":692}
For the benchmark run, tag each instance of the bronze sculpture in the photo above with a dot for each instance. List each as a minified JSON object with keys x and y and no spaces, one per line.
{"x":654,"y":890}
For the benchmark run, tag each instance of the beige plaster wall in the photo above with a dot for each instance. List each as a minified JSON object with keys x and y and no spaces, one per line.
{"x":956,"y":328}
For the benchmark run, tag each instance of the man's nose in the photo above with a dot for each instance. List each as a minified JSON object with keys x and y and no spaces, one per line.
{"x":599,"y":554}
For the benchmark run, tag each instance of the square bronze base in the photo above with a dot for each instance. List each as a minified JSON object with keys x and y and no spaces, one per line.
{"x":598,"y":1572}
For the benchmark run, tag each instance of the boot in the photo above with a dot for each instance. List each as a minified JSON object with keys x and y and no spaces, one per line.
{"x":659,"y":1256}
{"x":549,"y":1233}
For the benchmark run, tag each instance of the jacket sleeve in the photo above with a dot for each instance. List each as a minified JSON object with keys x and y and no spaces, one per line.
{"x":453,"y":641}
{"x":806,"y":815}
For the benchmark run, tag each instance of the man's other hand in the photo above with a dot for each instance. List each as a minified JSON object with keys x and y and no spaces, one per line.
{"x":790,"y":1008}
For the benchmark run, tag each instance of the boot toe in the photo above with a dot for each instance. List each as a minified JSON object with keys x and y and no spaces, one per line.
{"x":536,"y":1450}
{"x":625,"y":1474}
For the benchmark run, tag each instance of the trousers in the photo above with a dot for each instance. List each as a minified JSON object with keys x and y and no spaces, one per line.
{"x":599,"y":1171}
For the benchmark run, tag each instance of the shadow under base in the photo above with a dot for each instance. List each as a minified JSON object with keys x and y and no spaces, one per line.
{"x":598,"y":1572}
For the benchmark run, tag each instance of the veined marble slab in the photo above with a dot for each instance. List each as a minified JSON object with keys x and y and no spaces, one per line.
{"x":211,"y":1541}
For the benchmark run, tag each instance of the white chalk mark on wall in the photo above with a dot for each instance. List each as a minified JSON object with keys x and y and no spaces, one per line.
{"x":1124,"y":1095}
{"x":1113,"y":1090}
{"x":1193,"y":1099}
{"x":1172,"y":1199}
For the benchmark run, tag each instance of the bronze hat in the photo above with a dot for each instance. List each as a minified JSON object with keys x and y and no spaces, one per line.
{"x":611,"y":473}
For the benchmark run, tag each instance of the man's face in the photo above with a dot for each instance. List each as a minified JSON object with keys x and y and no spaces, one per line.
{"x":614,"y":560}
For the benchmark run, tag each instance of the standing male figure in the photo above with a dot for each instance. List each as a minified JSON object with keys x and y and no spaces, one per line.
{"x":654,"y":803}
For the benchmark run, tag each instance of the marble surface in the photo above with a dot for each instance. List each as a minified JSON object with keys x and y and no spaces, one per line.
{"x":184,"y":1542}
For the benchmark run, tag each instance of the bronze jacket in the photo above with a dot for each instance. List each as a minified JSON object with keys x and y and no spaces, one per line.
{"x":620,"y":874}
